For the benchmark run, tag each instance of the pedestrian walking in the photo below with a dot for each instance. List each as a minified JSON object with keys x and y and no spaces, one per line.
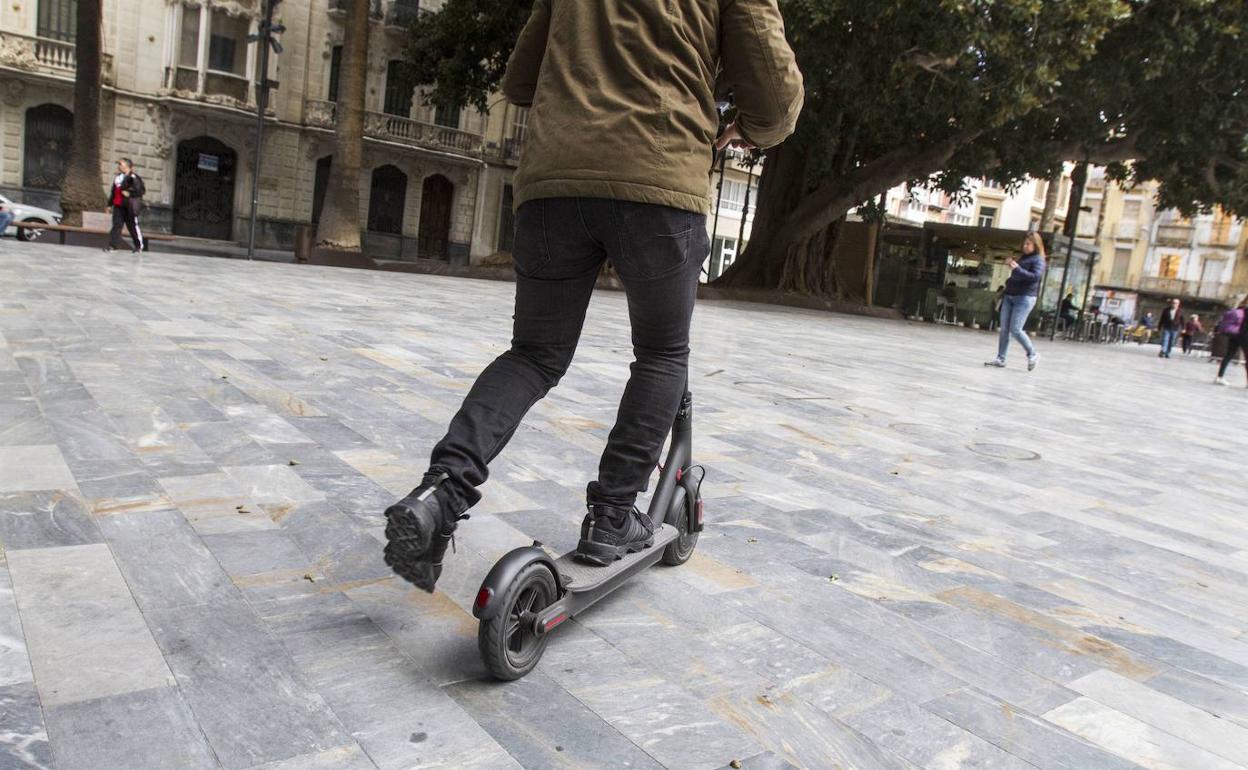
{"x":125,"y":198}
{"x":1021,"y":290}
{"x":1190,"y":330}
{"x":643,"y":75}
{"x":1170,"y":324}
{"x":1233,"y":328}
{"x":6,"y":219}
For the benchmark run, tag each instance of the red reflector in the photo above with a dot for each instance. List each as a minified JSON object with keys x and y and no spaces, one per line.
{"x":556,"y":620}
{"x":698,"y":509}
{"x":680,"y":473}
{"x":483,"y":597}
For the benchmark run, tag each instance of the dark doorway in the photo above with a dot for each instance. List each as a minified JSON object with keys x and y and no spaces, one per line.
{"x":335,"y":70}
{"x":320,"y":185}
{"x":203,"y":190}
{"x":386,"y":199}
{"x":49,"y":133}
{"x":436,"y":196}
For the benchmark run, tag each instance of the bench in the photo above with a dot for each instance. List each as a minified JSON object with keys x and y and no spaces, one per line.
{"x":64,"y":230}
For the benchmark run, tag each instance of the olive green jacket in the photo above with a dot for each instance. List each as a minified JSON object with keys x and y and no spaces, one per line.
{"x":622,"y":94}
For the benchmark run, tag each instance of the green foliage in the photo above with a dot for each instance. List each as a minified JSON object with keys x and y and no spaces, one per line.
{"x":462,"y":50}
{"x":1016,"y":86}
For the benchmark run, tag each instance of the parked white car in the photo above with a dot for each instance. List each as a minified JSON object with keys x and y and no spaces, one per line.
{"x":23,"y":213}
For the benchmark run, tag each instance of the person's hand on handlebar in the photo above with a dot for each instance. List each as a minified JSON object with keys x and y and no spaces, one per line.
{"x":731,"y":136}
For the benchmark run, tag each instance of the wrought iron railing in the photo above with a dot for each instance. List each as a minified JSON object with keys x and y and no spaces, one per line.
{"x":379,"y":125}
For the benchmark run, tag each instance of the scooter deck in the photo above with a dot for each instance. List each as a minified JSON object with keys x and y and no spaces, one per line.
{"x":580,"y":576}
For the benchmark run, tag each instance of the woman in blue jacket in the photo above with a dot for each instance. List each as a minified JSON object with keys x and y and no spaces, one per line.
{"x":1021,"y":290}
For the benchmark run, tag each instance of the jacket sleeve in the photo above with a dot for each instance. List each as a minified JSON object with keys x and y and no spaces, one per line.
{"x":759,"y":67}
{"x":520,"y":79}
{"x":1032,"y":268}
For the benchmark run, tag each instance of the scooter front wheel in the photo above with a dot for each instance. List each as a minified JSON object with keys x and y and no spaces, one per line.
{"x":680,"y":549}
{"x":509,"y":643}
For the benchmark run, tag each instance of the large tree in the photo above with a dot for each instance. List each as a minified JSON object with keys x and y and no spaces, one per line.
{"x":339,"y":227}
{"x":81,"y":189}
{"x":902,"y":92}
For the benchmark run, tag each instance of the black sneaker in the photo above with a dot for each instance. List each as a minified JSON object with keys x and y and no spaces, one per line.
{"x":418,"y":530}
{"x":606,"y":538}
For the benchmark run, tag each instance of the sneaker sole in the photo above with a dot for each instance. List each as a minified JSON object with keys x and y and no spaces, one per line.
{"x":601,"y":555}
{"x":407,"y":548}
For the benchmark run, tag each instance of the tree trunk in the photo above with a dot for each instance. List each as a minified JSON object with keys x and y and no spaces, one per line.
{"x":796,"y":232}
{"x":339,"y":227}
{"x":1050,"y":203}
{"x":81,"y":190}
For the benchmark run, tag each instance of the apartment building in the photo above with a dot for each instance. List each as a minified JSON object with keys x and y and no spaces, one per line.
{"x":178,"y":99}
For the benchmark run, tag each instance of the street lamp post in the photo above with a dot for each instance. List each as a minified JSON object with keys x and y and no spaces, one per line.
{"x":264,"y":36}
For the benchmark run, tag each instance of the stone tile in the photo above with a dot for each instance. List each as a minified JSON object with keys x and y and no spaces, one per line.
{"x":14,"y":661}
{"x":250,"y":702}
{"x":33,"y":468}
{"x":87,"y":638}
{"x":350,"y":757}
{"x":253,"y":553}
{"x":164,"y":561}
{"x":44,"y":519}
{"x":336,"y":543}
{"x":272,"y":484}
{"x":1022,"y":734}
{"x":1218,"y":736}
{"x":541,"y":725}
{"x":444,"y":737}
{"x":24,"y":741}
{"x":136,"y":731}
{"x":1132,"y":739}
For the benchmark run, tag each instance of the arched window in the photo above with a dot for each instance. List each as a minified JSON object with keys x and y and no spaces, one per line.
{"x":386,"y":200}
{"x":49,"y":133}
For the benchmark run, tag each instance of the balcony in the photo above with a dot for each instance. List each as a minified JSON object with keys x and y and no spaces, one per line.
{"x":1129,"y":230}
{"x":1175,"y":287}
{"x":402,"y":13}
{"x":393,"y":128}
{"x":1174,"y":235}
{"x":43,"y":56}
{"x":340,"y":7}
{"x":217,"y":87}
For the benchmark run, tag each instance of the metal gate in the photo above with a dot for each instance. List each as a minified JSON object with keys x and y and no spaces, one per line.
{"x":436,"y":197}
{"x":49,"y":135}
{"x":203,"y":191}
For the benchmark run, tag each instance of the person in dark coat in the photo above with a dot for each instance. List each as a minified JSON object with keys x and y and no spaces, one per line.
{"x":1021,"y":291}
{"x":1171,"y":325}
{"x":125,"y":198}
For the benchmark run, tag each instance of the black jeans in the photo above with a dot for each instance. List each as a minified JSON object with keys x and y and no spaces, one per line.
{"x":123,"y":217}
{"x":1233,"y":345}
{"x":560,"y":247}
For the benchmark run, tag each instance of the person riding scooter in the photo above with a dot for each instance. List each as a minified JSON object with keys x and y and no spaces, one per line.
{"x":615,"y":167}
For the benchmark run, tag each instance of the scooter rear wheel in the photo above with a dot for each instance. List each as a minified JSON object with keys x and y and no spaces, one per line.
{"x":509,"y":643}
{"x":680,"y":549}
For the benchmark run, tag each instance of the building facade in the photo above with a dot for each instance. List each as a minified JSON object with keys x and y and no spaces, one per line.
{"x":178,"y":100}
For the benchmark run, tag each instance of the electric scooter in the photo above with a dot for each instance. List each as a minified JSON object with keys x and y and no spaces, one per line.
{"x":527,"y":594}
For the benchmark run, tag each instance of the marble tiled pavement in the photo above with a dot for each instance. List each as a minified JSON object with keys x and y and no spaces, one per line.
{"x":911,"y":561}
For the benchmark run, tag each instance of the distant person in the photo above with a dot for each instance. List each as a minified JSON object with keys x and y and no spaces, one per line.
{"x":1233,"y":328}
{"x":1190,"y":330}
{"x":1144,"y":332}
{"x":125,"y":198}
{"x":997,"y":299}
{"x":1021,"y":290}
{"x":1170,"y":324}
{"x":1067,"y":309}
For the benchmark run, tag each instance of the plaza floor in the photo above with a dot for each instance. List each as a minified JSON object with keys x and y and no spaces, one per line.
{"x":911,"y":561}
